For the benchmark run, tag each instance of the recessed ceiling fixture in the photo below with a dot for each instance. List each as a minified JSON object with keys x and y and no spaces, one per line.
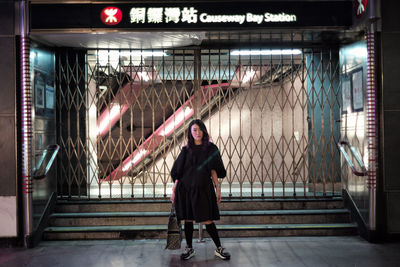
{"x":266,"y":52}
{"x":144,"y":53}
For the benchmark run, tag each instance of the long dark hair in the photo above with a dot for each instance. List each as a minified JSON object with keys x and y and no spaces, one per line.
{"x":205,"y":141}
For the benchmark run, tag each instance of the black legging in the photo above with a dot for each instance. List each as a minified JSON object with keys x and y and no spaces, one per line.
{"x":213,"y":232}
{"x":189,"y":233}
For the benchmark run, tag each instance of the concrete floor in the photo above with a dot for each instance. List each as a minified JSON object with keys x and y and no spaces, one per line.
{"x":246,"y":252}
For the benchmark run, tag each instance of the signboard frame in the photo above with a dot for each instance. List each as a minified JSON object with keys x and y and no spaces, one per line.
{"x":193,"y":15}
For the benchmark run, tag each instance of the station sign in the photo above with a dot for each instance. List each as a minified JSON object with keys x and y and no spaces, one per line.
{"x":191,"y":15}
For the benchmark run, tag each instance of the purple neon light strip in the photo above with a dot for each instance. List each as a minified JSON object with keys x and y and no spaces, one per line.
{"x":26,"y":116}
{"x":371,"y":113}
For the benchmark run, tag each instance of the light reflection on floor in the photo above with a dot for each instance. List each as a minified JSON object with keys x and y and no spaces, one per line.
{"x":249,"y":252}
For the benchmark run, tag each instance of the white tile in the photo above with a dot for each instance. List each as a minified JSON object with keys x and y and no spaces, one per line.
{"x":8,"y":216}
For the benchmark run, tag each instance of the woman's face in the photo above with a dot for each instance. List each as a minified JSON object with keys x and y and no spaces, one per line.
{"x":197,"y":134}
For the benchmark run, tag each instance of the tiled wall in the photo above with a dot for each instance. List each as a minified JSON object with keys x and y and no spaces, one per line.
{"x":8,"y":166}
{"x":390,"y":132}
{"x":8,"y":218}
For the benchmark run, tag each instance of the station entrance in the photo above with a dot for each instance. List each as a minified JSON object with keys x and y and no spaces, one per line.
{"x":272,"y":103}
{"x":287,"y":94}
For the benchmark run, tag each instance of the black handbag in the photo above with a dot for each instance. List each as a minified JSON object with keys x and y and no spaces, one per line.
{"x":174,"y":234}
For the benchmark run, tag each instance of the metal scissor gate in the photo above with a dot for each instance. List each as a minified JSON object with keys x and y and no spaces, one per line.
{"x":273,"y":112}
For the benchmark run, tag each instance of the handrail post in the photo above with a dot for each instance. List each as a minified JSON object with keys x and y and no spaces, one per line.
{"x":200,"y":240}
{"x":43,"y":167}
{"x":363,"y":171}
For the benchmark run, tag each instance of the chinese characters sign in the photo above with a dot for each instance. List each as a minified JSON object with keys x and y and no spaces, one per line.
{"x":191,"y":15}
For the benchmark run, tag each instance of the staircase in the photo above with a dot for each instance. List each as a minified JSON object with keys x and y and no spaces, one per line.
{"x":146,"y":219}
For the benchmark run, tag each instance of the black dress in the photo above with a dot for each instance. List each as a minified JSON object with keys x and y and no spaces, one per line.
{"x":195,"y":197}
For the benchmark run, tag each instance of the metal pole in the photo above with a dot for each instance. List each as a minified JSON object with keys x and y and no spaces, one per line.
{"x":26,"y":127}
{"x":372,"y":132}
{"x":201,"y":240}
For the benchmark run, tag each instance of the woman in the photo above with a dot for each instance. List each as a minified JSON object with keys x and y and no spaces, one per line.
{"x":195,"y":173}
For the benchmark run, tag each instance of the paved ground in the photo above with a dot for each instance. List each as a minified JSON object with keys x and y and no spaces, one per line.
{"x":277,"y":251}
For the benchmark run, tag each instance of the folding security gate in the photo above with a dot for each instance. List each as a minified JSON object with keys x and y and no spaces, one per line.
{"x":122,"y":117}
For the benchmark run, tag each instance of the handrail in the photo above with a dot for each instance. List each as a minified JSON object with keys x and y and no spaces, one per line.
{"x":301,"y":160}
{"x":341,"y":145}
{"x":45,"y":162}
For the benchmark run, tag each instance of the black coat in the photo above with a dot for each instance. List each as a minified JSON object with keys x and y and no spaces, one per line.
{"x":195,"y":197}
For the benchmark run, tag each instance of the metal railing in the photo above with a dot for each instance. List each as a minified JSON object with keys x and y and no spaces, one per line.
{"x":45,"y":162}
{"x":300,"y":162}
{"x":341,"y":145}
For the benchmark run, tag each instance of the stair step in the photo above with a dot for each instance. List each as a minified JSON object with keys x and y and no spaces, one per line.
{"x":159,"y":231}
{"x":286,"y":226}
{"x":148,"y":218}
{"x":227,"y":217}
{"x":226,"y":204}
{"x":221,"y":227}
{"x":111,"y":214}
{"x":222,"y":212}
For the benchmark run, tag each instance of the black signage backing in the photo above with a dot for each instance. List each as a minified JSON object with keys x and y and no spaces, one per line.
{"x":191,"y":15}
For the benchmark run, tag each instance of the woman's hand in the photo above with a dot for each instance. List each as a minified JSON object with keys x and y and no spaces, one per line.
{"x":173,"y":191}
{"x":216,"y":184}
{"x":218,"y":196}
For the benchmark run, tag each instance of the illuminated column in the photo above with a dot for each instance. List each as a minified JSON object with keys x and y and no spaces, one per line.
{"x":197,"y":84}
{"x":26,"y":127}
{"x":372,"y":130}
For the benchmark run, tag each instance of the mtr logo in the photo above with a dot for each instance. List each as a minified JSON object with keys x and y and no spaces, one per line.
{"x":360,"y":7}
{"x":111,"y":16}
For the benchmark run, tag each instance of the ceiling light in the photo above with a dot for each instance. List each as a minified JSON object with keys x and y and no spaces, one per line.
{"x":143,"y":53}
{"x":267,"y":52}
